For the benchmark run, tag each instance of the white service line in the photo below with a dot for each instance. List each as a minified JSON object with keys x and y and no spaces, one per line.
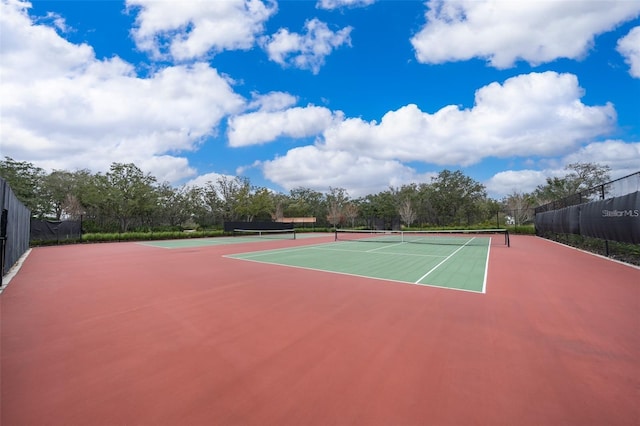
{"x":444,"y":260}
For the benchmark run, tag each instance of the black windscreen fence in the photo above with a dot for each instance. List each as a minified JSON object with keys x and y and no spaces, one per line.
{"x":571,"y":220}
{"x":59,"y":231}
{"x":257,"y":226}
{"x":561,"y":221}
{"x":14,"y":228}
{"x":614,"y":219}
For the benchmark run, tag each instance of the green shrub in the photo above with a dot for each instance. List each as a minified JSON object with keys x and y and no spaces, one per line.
{"x":522,"y":229}
{"x":147,"y":236}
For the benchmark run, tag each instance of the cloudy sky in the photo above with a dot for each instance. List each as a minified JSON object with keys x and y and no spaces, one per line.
{"x":356,"y":94}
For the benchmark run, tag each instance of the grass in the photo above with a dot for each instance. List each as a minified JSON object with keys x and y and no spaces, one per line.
{"x":146,"y":236}
{"x":624,"y":252}
{"x":103,"y":237}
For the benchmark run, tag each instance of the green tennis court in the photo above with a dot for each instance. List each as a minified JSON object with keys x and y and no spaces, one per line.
{"x":459,"y":264}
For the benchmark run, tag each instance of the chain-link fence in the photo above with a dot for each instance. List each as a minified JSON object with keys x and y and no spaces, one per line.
{"x":604,"y":219}
{"x":616,"y":188}
{"x":14,"y":229}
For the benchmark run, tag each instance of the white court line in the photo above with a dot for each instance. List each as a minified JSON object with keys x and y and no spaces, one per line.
{"x":249,"y":254}
{"x":383,"y":247}
{"x":444,"y":260}
{"x":321,"y":247}
{"x":385,"y":253}
{"x":13,"y":270}
{"x":350,"y":274}
{"x":486,"y":270}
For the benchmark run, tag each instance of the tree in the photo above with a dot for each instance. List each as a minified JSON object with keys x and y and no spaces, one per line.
{"x":489,"y":211}
{"x":174,"y":205}
{"x":305,"y":202}
{"x":351,"y":213}
{"x":197,"y":207}
{"x":336,"y":200}
{"x":63,"y":188}
{"x":520,"y":207}
{"x":426,"y":213}
{"x":213,"y":203}
{"x":581,"y":177}
{"x":407,"y":213}
{"x":366,"y":209}
{"x":234,"y":196}
{"x":130,"y":193}
{"x":402,"y":199}
{"x":58,"y":185}
{"x":125,"y":197}
{"x":279,"y":203}
{"x":261,"y":204}
{"x":95,"y":207}
{"x":455,"y":197}
{"x":26,"y":181}
{"x":587,"y":176}
{"x":382,"y":207}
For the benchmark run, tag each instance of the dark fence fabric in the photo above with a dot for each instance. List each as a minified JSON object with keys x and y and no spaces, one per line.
{"x":251,"y":226}
{"x":16,"y":241}
{"x":51,"y":230}
{"x":615,"y":219}
{"x":567,"y":220}
{"x":557,"y":221}
{"x":573,"y":219}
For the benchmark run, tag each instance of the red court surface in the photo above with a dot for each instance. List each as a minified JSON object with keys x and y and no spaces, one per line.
{"x":127,"y":334}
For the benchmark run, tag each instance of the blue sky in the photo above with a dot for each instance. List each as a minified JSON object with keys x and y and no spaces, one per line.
{"x":355,"y":94}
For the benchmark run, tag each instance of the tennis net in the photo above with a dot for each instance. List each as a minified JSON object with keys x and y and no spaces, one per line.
{"x":283,"y":234}
{"x":453,"y":237}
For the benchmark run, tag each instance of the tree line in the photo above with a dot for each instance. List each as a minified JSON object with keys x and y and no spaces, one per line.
{"x":125,"y":198}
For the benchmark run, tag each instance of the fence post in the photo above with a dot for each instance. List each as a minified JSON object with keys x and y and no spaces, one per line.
{"x":606,"y":242}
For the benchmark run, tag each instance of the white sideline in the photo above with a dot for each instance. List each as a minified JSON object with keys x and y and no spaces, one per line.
{"x":631,"y":265}
{"x":6,"y":279}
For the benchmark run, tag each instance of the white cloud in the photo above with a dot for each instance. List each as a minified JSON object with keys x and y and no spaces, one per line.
{"x":503,"y":32}
{"x":533,"y":114}
{"x":266,"y":126}
{"x":58,"y":21}
{"x":515,"y":181}
{"x":64,"y":109}
{"x":311,"y":167}
{"x":336,"y":4}
{"x":305,"y":51}
{"x":185,"y":30}
{"x":272,"y":101}
{"x":202,"y":180}
{"x":169,"y":168}
{"x":30,"y":52}
{"x":629,"y":47}
{"x":537,"y":115}
{"x":622,"y":157}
